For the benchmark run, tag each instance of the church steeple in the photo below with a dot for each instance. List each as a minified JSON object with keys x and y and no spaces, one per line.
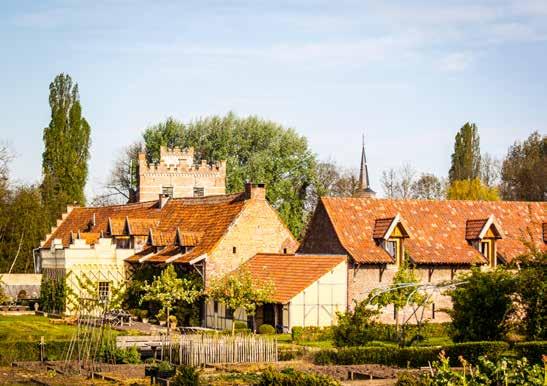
{"x":364,"y":189}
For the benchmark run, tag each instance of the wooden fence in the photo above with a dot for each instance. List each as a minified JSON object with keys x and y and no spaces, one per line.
{"x":198,"y":350}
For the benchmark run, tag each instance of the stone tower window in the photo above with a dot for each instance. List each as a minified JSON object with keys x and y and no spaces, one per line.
{"x":199,"y":192}
{"x":167,"y":191}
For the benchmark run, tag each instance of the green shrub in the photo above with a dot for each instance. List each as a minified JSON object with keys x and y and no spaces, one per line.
{"x":311,"y":334}
{"x":296,"y":333}
{"x":533,"y":351}
{"x":408,"y":356}
{"x":239,"y":325}
{"x":266,"y":329}
{"x":30,"y":351}
{"x":186,"y":376}
{"x":291,"y":377}
{"x":406,"y":378}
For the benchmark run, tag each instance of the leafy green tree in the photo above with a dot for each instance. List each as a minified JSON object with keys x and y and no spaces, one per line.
{"x":168,"y":289}
{"x":466,"y":159}
{"x":356,"y":327}
{"x":524,"y":170}
{"x":239,"y":290}
{"x":66,"y":140}
{"x":471,"y":190}
{"x":531,"y":291}
{"x":402,"y":293}
{"x":255,"y":150}
{"x":481,"y":305}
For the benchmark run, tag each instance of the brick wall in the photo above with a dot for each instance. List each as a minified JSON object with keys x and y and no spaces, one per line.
{"x":320,"y":236}
{"x":258,"y":228}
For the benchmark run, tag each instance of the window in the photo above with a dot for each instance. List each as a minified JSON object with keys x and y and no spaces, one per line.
{"x":391,"y":247}
{"x":229,"y":313}
{"x":284,"y":251}
{"x":123,"y":242}
{"x":167,"y":191}
{"x":234,"y":249}
{"x":199,"y":192}
{"x":484,"y":248}
{"x":215,"y":307}
{"x":104,"y":290}
{"x":432,"y":310}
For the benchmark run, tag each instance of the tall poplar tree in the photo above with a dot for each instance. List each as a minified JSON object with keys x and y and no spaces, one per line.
{"x":466,"y":159}
{"x":66,"y":140}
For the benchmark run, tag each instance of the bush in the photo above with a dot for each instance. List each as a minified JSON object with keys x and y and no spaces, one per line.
{"x":239,"y":325}
{"x":533,"y":351}
{"x":408,"y":356}
{"x":311,"y":334}
{"x":186,"y":376}
{"x":291,"y":377}
{"x":481,"y":305}
{"x":30,"y":351}
{"x":266,"y":329}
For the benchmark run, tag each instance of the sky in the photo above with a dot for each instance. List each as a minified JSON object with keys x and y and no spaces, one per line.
{"x":408,"y":74}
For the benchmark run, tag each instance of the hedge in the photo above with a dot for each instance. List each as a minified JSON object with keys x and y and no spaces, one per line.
{"x":533,"y":351}
{"x":292,"y":377}
{"x":409,"y":356}
{"x":30,"y":351}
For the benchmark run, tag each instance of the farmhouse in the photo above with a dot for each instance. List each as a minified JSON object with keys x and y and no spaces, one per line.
{"x":308,"y":291}
{"x":213,"y":235}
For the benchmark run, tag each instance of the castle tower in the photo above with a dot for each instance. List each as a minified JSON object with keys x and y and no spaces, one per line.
{"x":177,"y":176}
{"x":364,"y":189}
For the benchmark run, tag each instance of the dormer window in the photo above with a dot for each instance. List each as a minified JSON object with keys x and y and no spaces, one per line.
{"x":482,"y":234}
{"x":390,"y":234}
{"x":167,"y":191}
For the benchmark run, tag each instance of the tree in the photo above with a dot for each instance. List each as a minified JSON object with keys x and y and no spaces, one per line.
{"x":481,"y":305}
{"x":168,"y":289}
{"x":239,"y":290}
{"x":524,"y":170}
{"x":355,"y":327}
{"x":402,"y":293}
{"x":397,"y":184}
{"x":66,"y":140}
{"x":428,"y":187}
{"x":471,"y":190}
{"x":22,"y":228}
{"x":490,"y":170}
{"x":255,"y":150}
{"x":531,"y":294}
{"x":466,"y":159}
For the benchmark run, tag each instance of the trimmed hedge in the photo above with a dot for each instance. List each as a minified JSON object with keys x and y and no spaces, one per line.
{"x":266,"y":329}
{"x":30,"y":351}
{"x":409,"y":356}
{"x":533,"y":351}
{"x":292,"y":377}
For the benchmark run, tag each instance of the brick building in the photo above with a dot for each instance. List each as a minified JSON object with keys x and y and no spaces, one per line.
{"x":213,"y":235}
{"x":438,"y":238}
{"x":177,"y":176}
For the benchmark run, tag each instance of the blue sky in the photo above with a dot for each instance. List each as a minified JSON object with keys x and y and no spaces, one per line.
{"x":409,"y":74}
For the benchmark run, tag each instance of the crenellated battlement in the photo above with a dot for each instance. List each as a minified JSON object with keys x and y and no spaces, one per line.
{"x":177,"y":172}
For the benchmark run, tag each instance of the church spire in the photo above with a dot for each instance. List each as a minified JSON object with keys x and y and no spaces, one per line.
{"x":364,"y":189}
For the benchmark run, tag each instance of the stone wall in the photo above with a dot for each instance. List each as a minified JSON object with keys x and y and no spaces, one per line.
{"x":176,"y":169}
{"x":258,"y":228}
{"x":364,"y":278}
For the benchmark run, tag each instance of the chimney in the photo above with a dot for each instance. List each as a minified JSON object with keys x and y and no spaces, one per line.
{"x":255,"y":191}
{"x":163,"y":200}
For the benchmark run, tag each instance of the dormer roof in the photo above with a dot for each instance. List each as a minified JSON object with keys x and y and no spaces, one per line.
{"x":384,"y":227}
{"x":478,"y":229}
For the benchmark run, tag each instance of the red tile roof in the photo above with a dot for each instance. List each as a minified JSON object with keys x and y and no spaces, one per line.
{"x":201,"y":221}
{"x":139,"y":255}
{"x":290,"y":274}
{"x":141,"y":226}
{"x":438,"y":228}
{"x":381,"y":226}
{"x":473,"y":228}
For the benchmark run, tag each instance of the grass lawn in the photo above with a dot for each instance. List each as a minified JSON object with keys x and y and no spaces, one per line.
{"x":31,"y":328}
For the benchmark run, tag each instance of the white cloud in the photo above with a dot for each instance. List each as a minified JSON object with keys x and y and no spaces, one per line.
{"x":456,"y":62}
